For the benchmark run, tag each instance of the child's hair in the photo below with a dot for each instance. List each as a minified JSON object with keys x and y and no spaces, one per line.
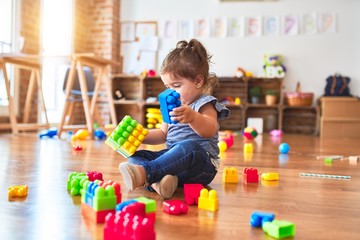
{"x":188,"y":60}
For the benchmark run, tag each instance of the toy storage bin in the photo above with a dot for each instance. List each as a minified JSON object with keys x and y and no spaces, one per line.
{"x":299,"y":98}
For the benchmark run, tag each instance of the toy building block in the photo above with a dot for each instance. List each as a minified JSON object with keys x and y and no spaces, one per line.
{"x":174,"y":207}
{"x":169,"y":99}
{"x":120,"y":206}
{"x":81,"y":134}
{"x":74,"y":181}
{"x":115,"y":185}
{"x":49,"y":133}
{"x":126,"y":226}
{"x":270,"y":176}
{"x":18,"y":191}
{"x":248,"y":148}
{"x":192,"y":193}
{"x":257,"y":219}
{"x":250,"y":175}
{"x":230,"y":175}
{"x":149,"y":203}
{"x":99,"y":134}
{"x":142,"y":208}
{"x":97,"y":201}
{"x":279,"y":229}
{"x":127,"y":136}
{"x":208,"y":200}
{"x":94,"y":176}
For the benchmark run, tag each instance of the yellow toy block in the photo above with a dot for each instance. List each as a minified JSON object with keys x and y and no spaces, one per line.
{"x":230,"y":175}
{"x":270,"y":176}
{"x":208,"y":200}
{"x":248,"y":148}
{"x":127,"y":136}
{"x":18,"y":191}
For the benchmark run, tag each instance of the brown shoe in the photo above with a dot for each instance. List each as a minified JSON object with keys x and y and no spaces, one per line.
{"x":131,"y":175}
{"x":167,"y":186}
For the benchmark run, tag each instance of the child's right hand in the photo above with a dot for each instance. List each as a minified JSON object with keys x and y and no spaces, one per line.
{"x":183,"y":114}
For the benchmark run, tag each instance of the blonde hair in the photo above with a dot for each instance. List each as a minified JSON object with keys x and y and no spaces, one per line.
{"x":188,"y":60}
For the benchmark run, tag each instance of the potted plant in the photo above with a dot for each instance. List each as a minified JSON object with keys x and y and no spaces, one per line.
{"x":270,"y":97}
{"x":255,"y":94}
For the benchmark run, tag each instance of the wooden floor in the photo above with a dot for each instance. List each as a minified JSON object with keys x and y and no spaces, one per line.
{"x":320,"y":208}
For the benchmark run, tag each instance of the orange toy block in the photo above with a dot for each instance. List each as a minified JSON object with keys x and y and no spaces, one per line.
{"x":230,"y":175}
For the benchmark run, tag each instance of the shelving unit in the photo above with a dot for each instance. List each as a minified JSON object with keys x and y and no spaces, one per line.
{"x":138,"y":90}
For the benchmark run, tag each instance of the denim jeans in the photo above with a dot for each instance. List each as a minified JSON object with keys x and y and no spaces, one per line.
{"x":186,"y":159}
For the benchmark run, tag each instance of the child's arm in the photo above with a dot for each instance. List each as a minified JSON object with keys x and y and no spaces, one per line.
{"x":203,"y":122}
{"x":156,"y":136}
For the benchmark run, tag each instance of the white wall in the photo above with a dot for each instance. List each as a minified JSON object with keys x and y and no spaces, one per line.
{"x":309,"y":59}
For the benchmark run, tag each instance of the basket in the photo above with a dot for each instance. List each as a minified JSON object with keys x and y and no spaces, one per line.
{"x":299,"y":98}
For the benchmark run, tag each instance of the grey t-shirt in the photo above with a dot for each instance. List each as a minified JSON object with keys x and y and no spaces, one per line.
{"x":179,"y":132}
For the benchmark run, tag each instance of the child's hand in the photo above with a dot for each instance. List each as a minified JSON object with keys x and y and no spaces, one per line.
{"x":183,"y":114}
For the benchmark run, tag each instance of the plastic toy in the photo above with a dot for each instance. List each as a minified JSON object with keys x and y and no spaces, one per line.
{"x":192,"y":193}
{"x":323,"y":176}
{"x":257,"y":219}
{"x":77,"y":147}
{"x":250,"y":175}
{"x":270,"y":176}
{"x":230,"y":175}
{"x":127,"y":136}
{"x":99,"y":134}
{"x":81,"y":134}
{"x":50,"y":133}
{"x":121,"y":205}
{"x":18,"y":191}
{"x":284,"y":148}
{"x":208,"y":200}
{"x":94,"y":176}
{"x":150,"y":204}
{"x":222,"y":146}
{"x":115,"y":185}
{"x":276,"y":133}
{"x":248,"y":148}
{"x":226,"y":141}
{"x":273,"y":66}
{"x":75,"y":182}
{"x":249,"y":133}
{"x":279,"y":229}
{"x":174,"y":207}
{"x":153,"y":118}
{"x":169,"y":99}
{"x":128,"y":226}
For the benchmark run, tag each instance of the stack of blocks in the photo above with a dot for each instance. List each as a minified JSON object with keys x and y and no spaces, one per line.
{"x":99,"y":198}
{"x":133,"y":220}
{"x":169,"y":99}
{"x":127,"y":136}
{"x":76,"y":180}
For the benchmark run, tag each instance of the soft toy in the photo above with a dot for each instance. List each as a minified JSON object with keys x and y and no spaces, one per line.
{"x":273,"y":66}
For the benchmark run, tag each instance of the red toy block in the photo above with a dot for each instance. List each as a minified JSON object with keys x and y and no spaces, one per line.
{"x":192,"y":193}
{"x":251,"y":175}
{"x":94,"y":216}
{"x":139,"y":209}
{"x":174,"y":207}
{"x":94,"y":176}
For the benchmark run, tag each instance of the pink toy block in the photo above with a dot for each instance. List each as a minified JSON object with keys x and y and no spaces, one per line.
{"x":131,"y":223}
{"x":192,"y":193}
{"x":116,"y":186}
{"x":174,"y":207}
{"x":94,"y":176}
{"x":251,"y":175}
{"x":95,"y":216}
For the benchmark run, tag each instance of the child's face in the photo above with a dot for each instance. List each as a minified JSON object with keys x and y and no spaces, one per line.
{"x":185,"y":87}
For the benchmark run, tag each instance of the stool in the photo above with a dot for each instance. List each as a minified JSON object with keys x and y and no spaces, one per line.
{"x":101,"y":64}
{"x":32,"y":63}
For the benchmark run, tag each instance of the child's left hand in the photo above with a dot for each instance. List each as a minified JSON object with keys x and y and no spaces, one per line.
{"x":183,"y":114}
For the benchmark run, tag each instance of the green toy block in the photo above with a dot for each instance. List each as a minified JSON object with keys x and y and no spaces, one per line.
{"x":74,"y":182}
{"x":150,"y":204}
{"x":97,"y":197}
{"x":127,"y":136}
{"x":279,"y":229}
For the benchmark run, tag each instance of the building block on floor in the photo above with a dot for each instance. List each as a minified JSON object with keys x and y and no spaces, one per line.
{"x":257,"y":219}
{"x":97,"y":197}
{"x":230,"y":175}
{"x":121,"y":205}
{"x":18,"y":191}
{"x":127,"y":136}
{"x":169,"y":99}
{"x":250,"y":175}
{"x":149,"y":203}
{"x":115,"y":185}
{"x":174,"y":207}
{"x":93,"y":175}
{"x":279,"y":229}
{"x":208,"y":200}
{"x":128,"y":226}
{"x":248,"y":148}
{"x":93,"y":215}
{"x":74,"y":182}
{"x":192,"y":193}
{"x":270,"y":176}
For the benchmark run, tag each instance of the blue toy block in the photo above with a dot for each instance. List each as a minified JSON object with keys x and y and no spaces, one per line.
{"x":120,"y":206}
{"x":257,"y":219}
{"x":99,"y":134}
{"x":50,"y":133}
{"x":169,"y":99}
